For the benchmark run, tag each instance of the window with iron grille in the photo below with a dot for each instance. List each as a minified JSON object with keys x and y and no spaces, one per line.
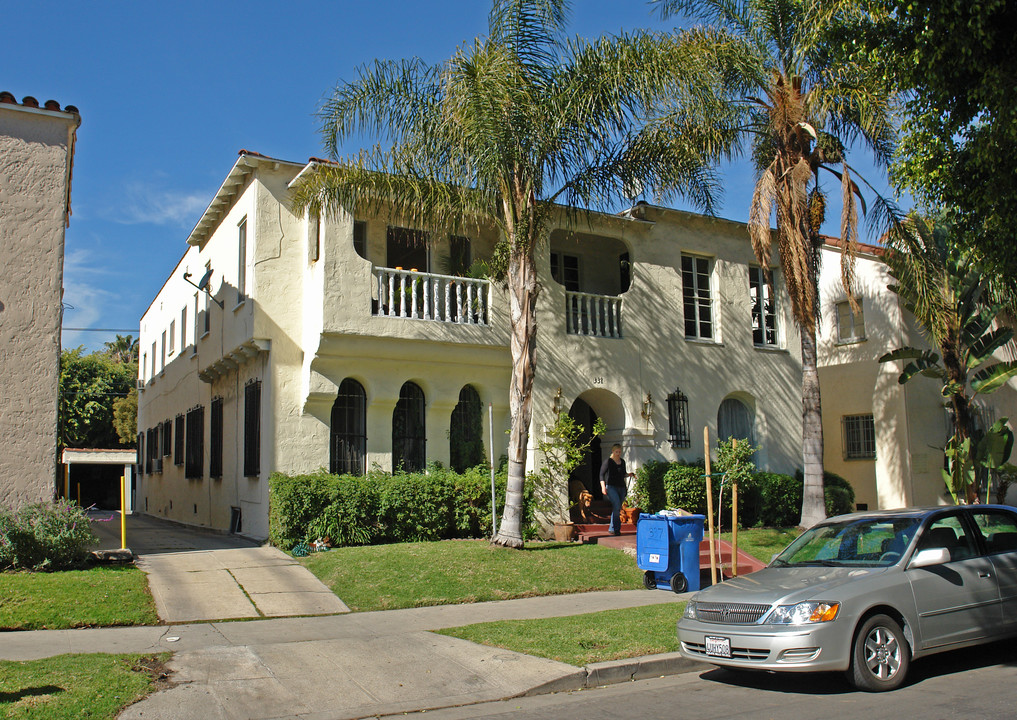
{"x":696,"y":297}
{"x":195,"y":451}
{"x":140,"y":453}
{"x":678,"y":419}
{"x":167,"y":438}
{"x":764,"y":308}
{"x":348,"y":430}
{"x":178,"y":437}
{"x":859,"y":437}
{"x":408,"y":432}
{"x":466,"y":444}
{"x":151,"y":462}
{"x":215,"y":439}
{"x":252,"y":428}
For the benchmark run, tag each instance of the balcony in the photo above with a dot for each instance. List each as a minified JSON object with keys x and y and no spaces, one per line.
{"x":426,"y":296}
{"x":593,"y":315}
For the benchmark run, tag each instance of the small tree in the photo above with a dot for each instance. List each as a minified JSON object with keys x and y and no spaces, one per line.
{"x":945,"y":291}
{"x":564,"y":446}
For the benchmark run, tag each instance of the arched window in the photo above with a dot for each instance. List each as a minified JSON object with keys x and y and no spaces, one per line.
{"x":466,"y":444}
{"x":734,"y":419}
{"x":408,"y":433}
{"x":348,"y":432}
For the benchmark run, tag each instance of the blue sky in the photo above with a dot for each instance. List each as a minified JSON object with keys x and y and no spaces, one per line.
{"x":169,"y":92}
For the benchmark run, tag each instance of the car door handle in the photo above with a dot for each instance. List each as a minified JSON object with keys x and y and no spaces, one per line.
{"x":984,"y":574}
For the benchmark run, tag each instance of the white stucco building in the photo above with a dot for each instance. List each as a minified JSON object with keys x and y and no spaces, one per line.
{"x":887,"y":439}
{"x":292,"y":343}
{"x":36,"y":156}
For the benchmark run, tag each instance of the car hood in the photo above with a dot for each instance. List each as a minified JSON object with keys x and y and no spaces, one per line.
{"x":785,"y":585}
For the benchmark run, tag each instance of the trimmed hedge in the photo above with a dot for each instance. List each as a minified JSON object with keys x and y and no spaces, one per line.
{"x":45,"y":536}
{"x":770,"y":500}
{"x":382,"y":508}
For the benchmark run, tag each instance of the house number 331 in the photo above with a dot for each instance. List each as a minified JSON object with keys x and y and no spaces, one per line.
{"x":598,"y":381}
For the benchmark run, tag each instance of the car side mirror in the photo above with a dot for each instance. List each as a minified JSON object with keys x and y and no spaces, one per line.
{"x":930,"y":556}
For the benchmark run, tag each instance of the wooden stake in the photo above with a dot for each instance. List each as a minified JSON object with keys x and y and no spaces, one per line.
{"x":709,"y":506}
{"x":734,"y":520}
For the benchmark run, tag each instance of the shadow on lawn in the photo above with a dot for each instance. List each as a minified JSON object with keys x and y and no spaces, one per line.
{"x":13,"y":697}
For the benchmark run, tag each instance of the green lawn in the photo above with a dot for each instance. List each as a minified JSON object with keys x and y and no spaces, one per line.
{"x":99,"y":596}
{"x":383,"y":577}
{"x":583,"y":639}
{"x":76,"y":687}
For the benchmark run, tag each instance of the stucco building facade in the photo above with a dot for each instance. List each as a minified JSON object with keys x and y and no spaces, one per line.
{"x":36,"y":156}
{"x":294,"y":343}
{"x":887,"y":439}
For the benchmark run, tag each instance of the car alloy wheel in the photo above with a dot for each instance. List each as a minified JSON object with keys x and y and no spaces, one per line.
{"x":880,"y":655}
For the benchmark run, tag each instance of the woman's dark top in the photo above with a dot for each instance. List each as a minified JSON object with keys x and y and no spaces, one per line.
{"x":613,"y":473}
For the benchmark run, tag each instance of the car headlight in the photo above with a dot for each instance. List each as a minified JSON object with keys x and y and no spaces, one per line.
{"x":690,"y":610}
{"x":804,"y":613}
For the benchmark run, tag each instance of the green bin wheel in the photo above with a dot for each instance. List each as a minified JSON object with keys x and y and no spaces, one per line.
{"x":649,"y":581}
{"x":679,"y":583}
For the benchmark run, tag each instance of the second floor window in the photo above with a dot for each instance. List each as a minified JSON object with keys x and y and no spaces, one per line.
{"x":696,"y":297}
{"x":764,"y":309}
{"x":242,"y":261}
{"x":850,"y":323}
{"x":565,"y":270}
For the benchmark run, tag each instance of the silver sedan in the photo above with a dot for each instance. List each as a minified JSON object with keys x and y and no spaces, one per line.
{"x":865,"y":593}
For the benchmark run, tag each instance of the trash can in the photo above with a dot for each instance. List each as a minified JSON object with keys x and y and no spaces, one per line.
{"x":667,"y":549}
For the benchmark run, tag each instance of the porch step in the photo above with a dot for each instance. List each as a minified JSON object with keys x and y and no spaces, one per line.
{"x":746,"y":563}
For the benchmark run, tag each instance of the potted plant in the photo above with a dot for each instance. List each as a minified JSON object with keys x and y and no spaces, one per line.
{"x":563,"y":447}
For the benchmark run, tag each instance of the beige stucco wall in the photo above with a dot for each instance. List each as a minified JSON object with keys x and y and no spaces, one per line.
{"x":311,"y":323}
{"x":36,"y":147}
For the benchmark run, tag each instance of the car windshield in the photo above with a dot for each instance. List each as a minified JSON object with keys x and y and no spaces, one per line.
{"x":852,"y":542}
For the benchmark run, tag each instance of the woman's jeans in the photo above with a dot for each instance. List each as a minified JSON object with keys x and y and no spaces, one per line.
{"x":616,"y":495}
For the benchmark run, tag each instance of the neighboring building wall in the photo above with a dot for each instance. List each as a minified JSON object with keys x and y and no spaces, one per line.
{"x":910,"y":421}
{"x":318,"y":311}
{"x":36,"y":153}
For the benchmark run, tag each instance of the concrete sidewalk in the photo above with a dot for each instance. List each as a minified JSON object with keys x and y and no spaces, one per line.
{"x":349,"y":666}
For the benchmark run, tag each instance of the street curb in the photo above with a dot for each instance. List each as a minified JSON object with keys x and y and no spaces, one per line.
{"x":613,"y":672}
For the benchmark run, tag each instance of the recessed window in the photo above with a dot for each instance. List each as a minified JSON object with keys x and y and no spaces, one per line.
{"x":172,"y":336}
{"x":407,"y":249}
{"x":167,"y":438}
{"x":408,"y":434}
{"x":697,"y":298}
{"x":360,"y":238}
{"x":735,"y":420}
{"x":764,"y":309}
{"x":252,"y":428}
{"x":215,"y":439}
{"x":850,"y":322}
{"x":859,"y":437}
{"x":242,"y":261}
{"x":178,"y":441}
{"x":565,"y":271}
{"x":678,"y":419}
{"x":313,"y":237}
{"x":466,"y":444}
{"x":348,"y":430}
{"x":195,"y":451}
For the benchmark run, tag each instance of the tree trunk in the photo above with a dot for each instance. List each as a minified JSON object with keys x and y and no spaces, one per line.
{"x":522,"y":284}
{"x":813,"y":499}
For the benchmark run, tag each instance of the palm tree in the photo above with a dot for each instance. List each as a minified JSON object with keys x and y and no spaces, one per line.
{"x":798,"y":102}
{"x":950,"y":296}
{"x":122,"y":350}
{"x":511,"y":125}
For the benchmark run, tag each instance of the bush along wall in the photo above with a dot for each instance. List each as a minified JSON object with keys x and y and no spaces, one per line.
{"x":768,"y":499}
{"x":381,"y":507}
{"x":45,"y":536}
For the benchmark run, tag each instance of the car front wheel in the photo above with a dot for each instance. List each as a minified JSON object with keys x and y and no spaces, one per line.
{"x":880,"y":655}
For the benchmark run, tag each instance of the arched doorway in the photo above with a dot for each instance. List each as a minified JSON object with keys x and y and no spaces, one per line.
{"x":588,"y":472}
{"x":408,"y":432}
{"x":466,"y":445}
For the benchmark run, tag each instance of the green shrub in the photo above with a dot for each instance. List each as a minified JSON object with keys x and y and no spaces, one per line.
{"x":380,"y":507}
{"x":45,"y":536}
{"x":839,"y":494}
{"x":685,"y":488}
{"x":649,"y":494}
{"x":781,"y":499}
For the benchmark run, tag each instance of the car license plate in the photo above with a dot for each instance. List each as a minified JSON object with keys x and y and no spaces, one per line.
{"x":718,"y":646}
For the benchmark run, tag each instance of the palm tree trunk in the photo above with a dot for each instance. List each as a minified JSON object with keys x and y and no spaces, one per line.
{"x":522,"y":282}
{"x":813,"y":500}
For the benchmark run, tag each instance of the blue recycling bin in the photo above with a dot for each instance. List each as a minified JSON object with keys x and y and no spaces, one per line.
{"x":667,"y":549}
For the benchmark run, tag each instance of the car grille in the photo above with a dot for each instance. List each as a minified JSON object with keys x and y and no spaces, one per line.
{"x":731,"y":613}
{"x":737,"y":653}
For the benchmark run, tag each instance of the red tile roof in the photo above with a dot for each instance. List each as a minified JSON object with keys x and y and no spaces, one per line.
{"x":30,"y":102}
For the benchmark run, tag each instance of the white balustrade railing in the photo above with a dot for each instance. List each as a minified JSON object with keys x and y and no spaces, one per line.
{"x":593,"y":315}
{"x":426,"y":296}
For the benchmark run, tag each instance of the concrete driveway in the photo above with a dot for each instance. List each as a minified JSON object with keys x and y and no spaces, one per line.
{"x":196,"y":574}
